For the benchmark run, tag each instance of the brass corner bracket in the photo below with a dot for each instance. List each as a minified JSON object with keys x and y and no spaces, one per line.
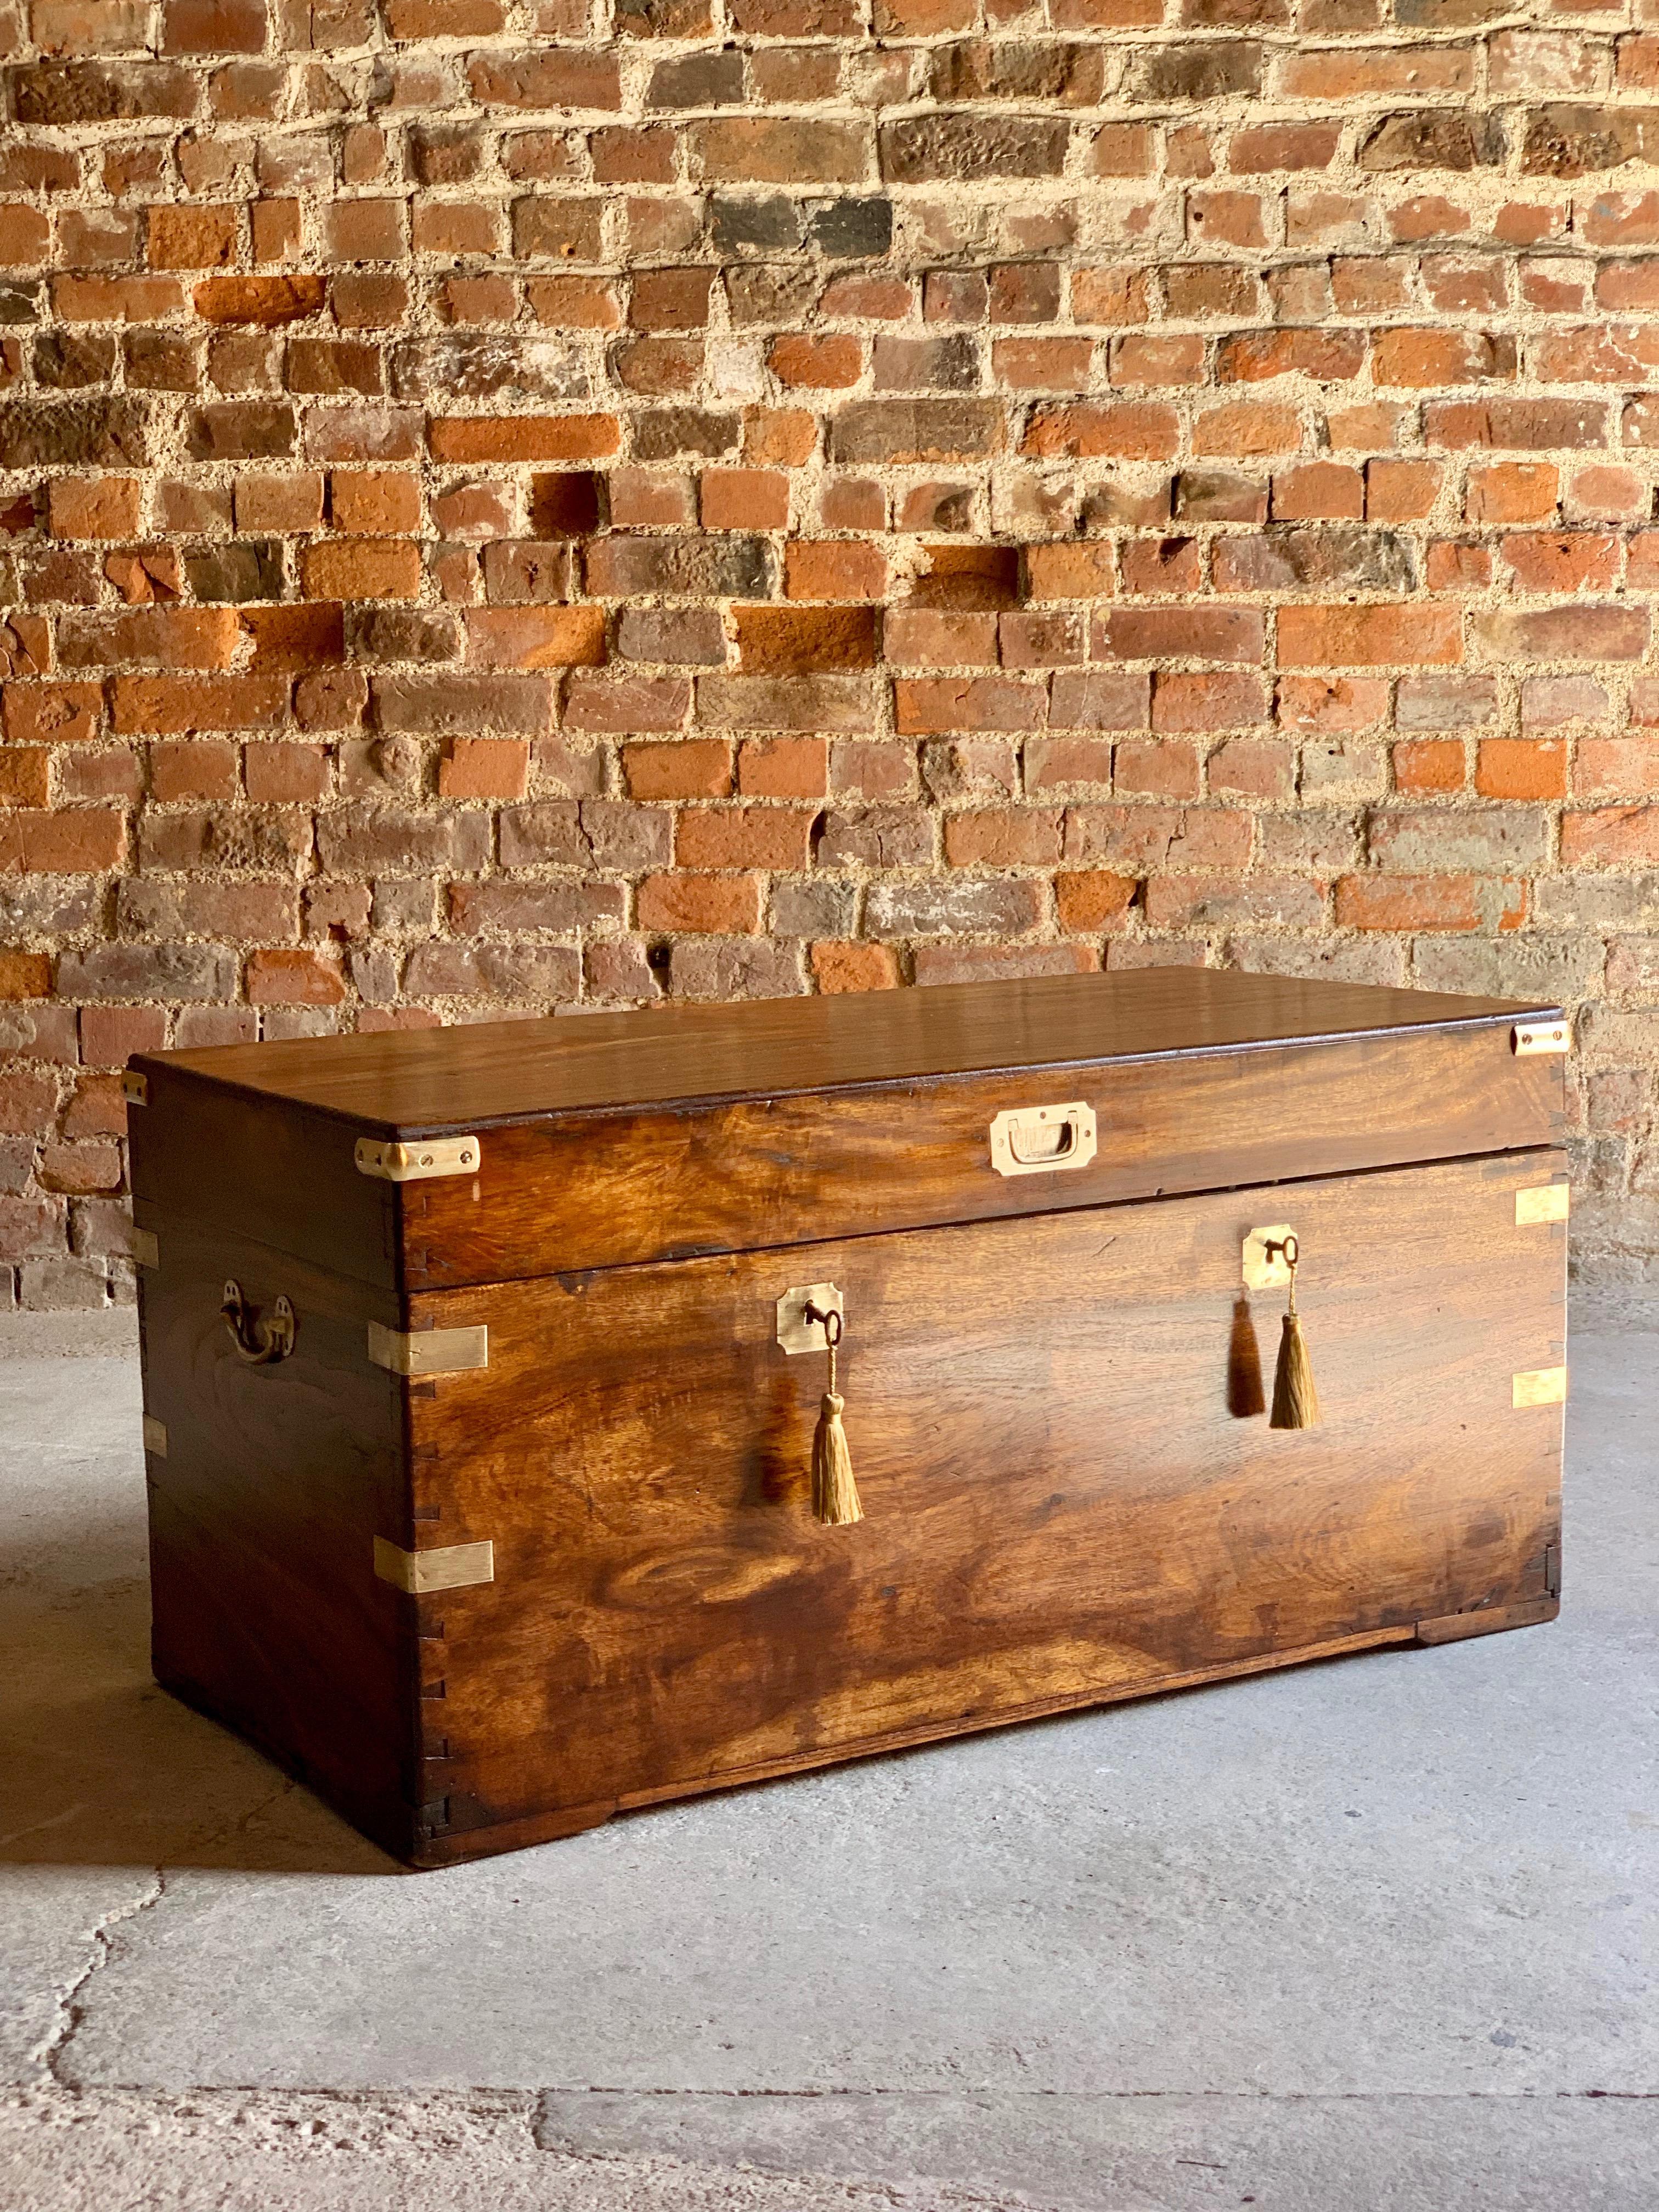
{"x":436,"y":1155}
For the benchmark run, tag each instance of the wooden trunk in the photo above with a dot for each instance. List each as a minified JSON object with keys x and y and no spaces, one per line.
{"x":519,"y":1534}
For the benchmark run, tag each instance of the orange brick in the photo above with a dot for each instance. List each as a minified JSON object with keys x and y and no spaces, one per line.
{"x":701,"y":905}
{"x":1512,"y":491}
{"x":93,"y":507}
{"x":745,"y":499}
{"x":192,"y":237}
{"x":1425,"y":902}
{"x":1429,"y":764}
{"x":362,"y":569}
{"x":834,"y":569}
{"x":24,"y":776}
{"x":783,"y":768}
{"x":1091,"y":900}
{"x":800,"y":639}
{"x":697,"y":768}
{"x":830,"y":363}
{"x":1522,"y":767}
{"x":294,"y":976}
{"x":374,"y":503}
{"x":744,"y":837}
{"x":25,"y":975}
{"x":485,"y":768}
{"x":839,"y":967}
{"x":1368,"y":637}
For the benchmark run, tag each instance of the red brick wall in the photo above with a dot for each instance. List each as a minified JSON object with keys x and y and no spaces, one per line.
{"x":508,"y":508}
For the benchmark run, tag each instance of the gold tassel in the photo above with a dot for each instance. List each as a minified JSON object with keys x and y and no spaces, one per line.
{"x":835,"y":1493}
{"x":1295,"y":1399}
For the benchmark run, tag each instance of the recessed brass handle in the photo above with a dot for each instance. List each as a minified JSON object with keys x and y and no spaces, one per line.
{"x":254,"y":1349}
{"x":1038,"y":1140}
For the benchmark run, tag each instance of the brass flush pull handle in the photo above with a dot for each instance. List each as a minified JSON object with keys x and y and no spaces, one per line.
{"x":1038,"y":1140}
{"x":252,"y":1348}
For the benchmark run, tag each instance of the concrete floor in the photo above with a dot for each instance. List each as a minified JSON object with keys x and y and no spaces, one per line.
{"x":1370,"y":1936}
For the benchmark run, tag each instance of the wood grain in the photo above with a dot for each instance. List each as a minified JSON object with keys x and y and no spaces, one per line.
{"x":567,"y":1194}
{"x":1061,"y":1508}
{"x":267,"y":1613}
{"x":424,"y":1081}
{"x":573,"y":1191}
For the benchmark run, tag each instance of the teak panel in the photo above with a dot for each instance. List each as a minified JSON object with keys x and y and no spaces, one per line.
{"x":574,"y":1191}
{"x":569,"y":1194}
{"x":263,"y":1508}
{"x":1062,"y":1508}
{"x":427,"y":1080}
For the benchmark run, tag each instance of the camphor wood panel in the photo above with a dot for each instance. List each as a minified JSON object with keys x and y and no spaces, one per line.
{"x":591,"y":1188}
{"x":264,"y":1511}
{"x":1060,"y":1507}
{"x":571,"y":1192}
{"x":424,"y":1081}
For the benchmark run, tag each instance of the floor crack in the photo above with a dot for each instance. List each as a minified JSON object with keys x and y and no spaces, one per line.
{"x":71,"y":2006}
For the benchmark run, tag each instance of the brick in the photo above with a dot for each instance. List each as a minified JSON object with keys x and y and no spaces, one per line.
{"x":1235,"y":634}
{"x":768,"y":837}
{"x":744,"y":499}
{"x":1522,"y":767}
{"x":525,"y":438}
{"x":484,"y":767}
{"x":943,"y":703}
{"x":362,"y":569}
{"x":294,"y":976}
{"x":535,"y":636}
{"x":697,"y":768}
{"x":1368,"y":637}
{"x":701,"y":904}
{"x":1408,"y":903}
{"x":841,"y":967}
{"x":1608,"y":632}
{"x":176,"y":705}
{"x":793,"y":640}
{"x":96,"y":507}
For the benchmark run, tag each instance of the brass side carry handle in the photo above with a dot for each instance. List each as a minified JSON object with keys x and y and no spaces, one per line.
{"x":254,"y":1348}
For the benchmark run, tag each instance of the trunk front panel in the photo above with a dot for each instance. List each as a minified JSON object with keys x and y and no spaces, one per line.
{"x":1065,"y":1498}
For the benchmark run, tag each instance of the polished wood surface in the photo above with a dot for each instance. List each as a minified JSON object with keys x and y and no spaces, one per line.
{"x":424,"y":1081}
{"x":574,"y":1191}
{"x":1061,"y":1507}
{"x":564,"y":1194}
{"x":263,"y":1515}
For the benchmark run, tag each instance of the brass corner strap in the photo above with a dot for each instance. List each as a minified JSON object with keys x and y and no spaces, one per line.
{"x":1539,"y":1386}
{"x":429,"y":1351}
{"x":135,"y":1088}
{"x":1542,"y":1202}
{"x":441,"y":1567}
{"x":418,"y":1163}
